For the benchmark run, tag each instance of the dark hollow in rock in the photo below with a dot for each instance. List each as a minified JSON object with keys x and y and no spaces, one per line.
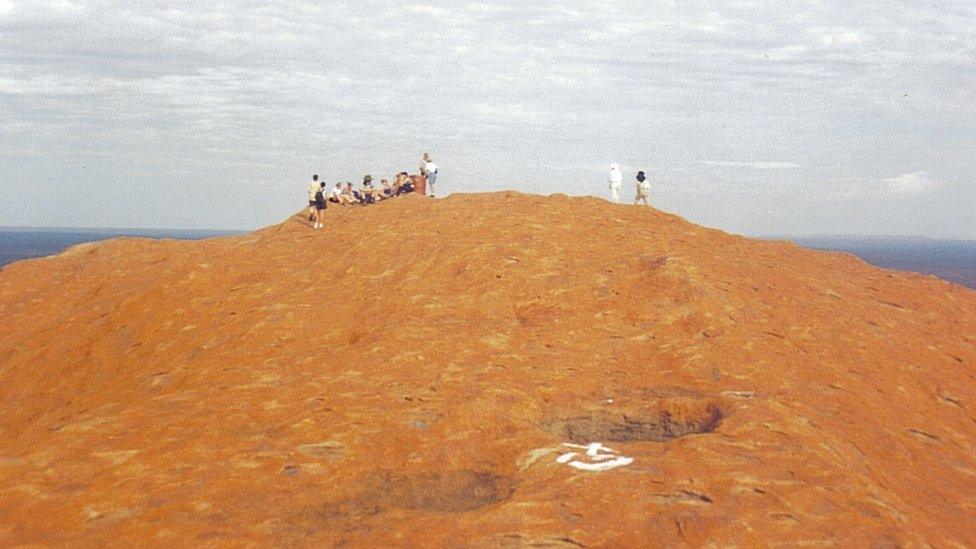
{"x":655,"y":425}
{"x":447,"y":491}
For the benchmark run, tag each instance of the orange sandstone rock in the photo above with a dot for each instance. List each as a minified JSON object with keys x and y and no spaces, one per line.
{"x":362,"y":386}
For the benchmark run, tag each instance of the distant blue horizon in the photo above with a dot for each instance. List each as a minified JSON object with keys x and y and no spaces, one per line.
{"x":949,"y":259}
{"x":121,"y":231}
{"x":129,"y":231}
{"x":31,"y":243}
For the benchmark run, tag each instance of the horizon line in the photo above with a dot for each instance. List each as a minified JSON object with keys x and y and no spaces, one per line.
{"x":767,"y":236}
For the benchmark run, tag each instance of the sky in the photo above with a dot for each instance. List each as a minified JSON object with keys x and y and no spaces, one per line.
{"x":815,"y":117}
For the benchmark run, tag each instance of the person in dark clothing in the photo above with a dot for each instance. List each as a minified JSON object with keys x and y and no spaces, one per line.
{"x":319,"y":205}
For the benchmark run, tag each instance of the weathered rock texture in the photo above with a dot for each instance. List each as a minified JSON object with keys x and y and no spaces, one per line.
{"x":362,"y":385}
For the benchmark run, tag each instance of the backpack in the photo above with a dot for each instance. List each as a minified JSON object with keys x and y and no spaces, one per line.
{"x":319,"y":197}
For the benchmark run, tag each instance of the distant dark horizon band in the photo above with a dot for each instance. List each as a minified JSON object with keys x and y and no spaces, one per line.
{"x":952,"y":260}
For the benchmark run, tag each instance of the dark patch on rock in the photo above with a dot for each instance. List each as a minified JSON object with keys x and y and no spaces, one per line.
{"x":654,"y":425}
{"x":447,"y":492}
{"x":290,"y":470}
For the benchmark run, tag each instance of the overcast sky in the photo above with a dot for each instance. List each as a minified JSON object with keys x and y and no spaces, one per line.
{"x":806,"y":117}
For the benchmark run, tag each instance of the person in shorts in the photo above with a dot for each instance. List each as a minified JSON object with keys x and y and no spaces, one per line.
{"x":319,"y":205}
{"x":429,"y":169}
{"x":313,"y":188}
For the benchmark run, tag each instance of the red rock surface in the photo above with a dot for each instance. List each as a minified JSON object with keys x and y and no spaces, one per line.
{"x":360,"y":385}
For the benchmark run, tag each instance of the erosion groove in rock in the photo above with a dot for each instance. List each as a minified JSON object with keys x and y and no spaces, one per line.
{"x":410,"y":375}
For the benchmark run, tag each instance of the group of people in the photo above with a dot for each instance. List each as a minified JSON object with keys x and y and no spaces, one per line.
{"x":344,"y":193}
{"x":616,"y":180}
{"x":403,"y":183}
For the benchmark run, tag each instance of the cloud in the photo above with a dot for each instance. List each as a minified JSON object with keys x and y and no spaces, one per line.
{"x":433,"y":11}
{"x":911,"y":183}
{"x":839,"y":36}
{"x":752,"y":165}
{"x":503,"y":93}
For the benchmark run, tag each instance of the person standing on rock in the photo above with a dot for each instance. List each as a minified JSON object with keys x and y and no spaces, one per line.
{"x":428,"y":169}
{"x":319,"y":205}
{"x":313,"y":188}
{"x":643,"y":189}
{"x":615,"y":180}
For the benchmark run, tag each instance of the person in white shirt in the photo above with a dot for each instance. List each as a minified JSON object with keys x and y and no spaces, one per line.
{"x":615,"y":180}
{"x":429,"y":169}
{"x":336,"y":195}
{"x":643,"y":189}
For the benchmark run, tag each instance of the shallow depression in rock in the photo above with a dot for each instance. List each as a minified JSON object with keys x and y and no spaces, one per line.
{"x":658,"y":424}
{"x":447,"y":491}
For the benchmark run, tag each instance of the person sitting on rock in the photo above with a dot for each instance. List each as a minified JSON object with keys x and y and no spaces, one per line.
{"x":386,"y":191}
{"x":336,"y":195}
{"x":366,"y":191}
{"x":348,"y":195}
{"x":404,"y":181}
{"x":406,"y":185}
{"x":358,"y":195}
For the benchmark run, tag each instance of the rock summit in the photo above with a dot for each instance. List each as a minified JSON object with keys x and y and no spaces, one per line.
{"x":483,"y":370}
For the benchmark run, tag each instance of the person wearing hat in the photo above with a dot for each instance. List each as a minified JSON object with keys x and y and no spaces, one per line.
{"x":643,"y":189}
{"x":367,"y":190}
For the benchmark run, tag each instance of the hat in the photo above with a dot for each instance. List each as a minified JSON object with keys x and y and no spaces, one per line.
{"x":368,"y":179}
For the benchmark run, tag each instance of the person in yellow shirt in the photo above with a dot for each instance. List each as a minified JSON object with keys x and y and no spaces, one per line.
{"x":313,"y":188}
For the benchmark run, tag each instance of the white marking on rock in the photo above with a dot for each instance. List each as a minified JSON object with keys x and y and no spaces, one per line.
{"x":620,"y":461}
{"x":565,"y":457}
{"x":597,"y":457}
